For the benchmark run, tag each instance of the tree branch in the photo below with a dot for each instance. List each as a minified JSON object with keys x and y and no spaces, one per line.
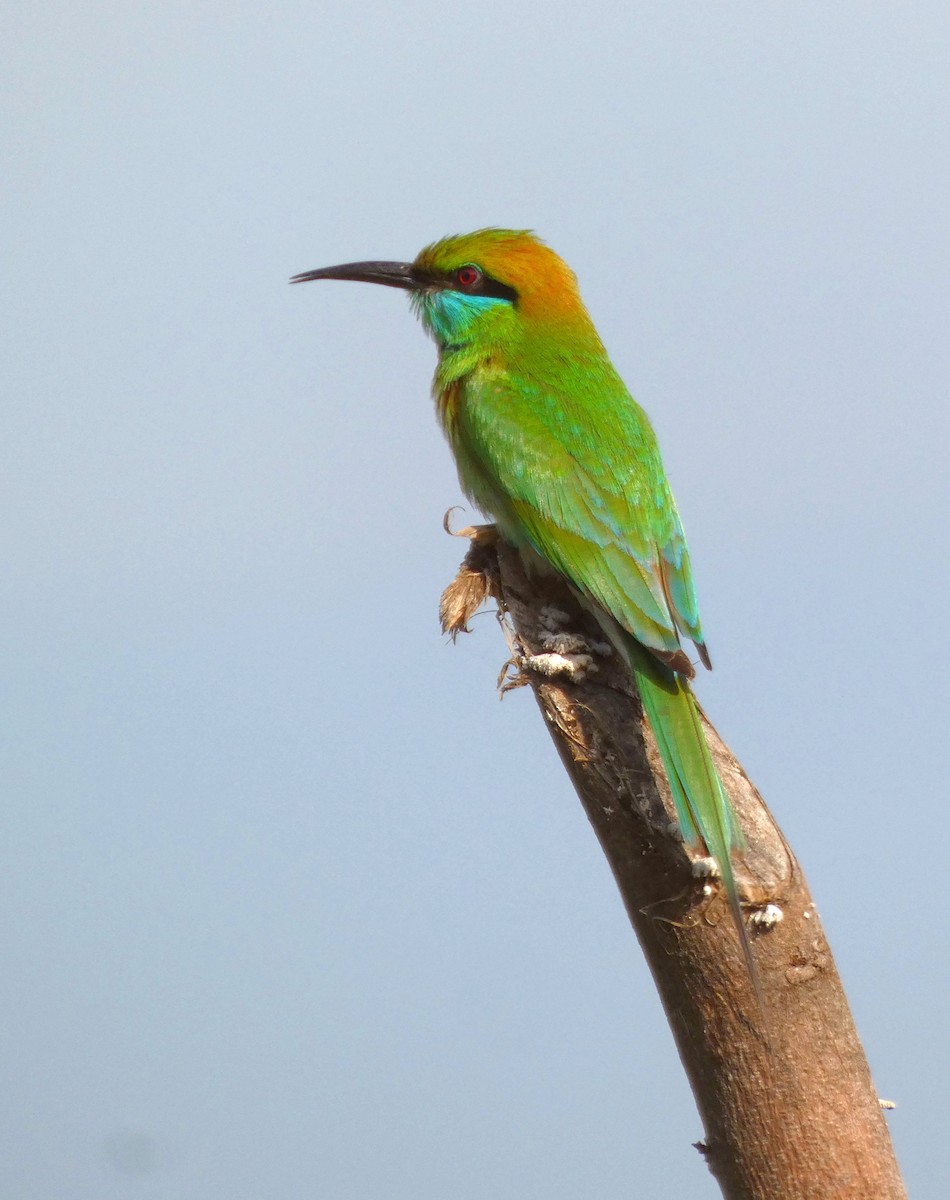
{"x":789,"y":1110}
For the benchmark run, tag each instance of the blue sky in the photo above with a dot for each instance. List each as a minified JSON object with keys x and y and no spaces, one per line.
{"x":293,"y":905}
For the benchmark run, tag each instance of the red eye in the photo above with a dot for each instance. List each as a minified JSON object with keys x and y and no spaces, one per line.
{"x":468,"y":277}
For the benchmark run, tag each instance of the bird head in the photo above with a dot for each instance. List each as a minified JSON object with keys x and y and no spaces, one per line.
{"x":479,"y":288}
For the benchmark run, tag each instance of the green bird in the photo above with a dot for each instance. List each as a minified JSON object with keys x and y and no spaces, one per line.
{"x":551,"y":445}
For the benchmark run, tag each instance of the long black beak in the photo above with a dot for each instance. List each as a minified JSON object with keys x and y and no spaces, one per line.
{"x":391,"y":274}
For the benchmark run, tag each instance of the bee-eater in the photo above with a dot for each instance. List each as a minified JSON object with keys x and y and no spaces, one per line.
{"x":551,"y":445}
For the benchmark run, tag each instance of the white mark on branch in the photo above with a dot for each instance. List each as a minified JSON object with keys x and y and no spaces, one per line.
{"x":560,"y":640}
{"x":705,"y":868}
{"x":574,"y":667}
{"x":553,"y":618}
{"x":564,"y":643}
{"x":767,"y":917}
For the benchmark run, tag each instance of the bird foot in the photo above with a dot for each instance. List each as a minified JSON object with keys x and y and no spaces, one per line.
{"x":511,"y":675}
{"x":564,"y":654}
{"x":485,"y":535}
{"x":515,"y":672}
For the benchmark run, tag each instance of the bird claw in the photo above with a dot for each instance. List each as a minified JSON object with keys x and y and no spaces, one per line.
{"x":514,"y":673}
{"x":485,"y":535}
{"x":564,"y":654}
{"x":511,"y":675}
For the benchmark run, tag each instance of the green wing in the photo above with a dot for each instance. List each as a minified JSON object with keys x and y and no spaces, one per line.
{"x":577,"y":475}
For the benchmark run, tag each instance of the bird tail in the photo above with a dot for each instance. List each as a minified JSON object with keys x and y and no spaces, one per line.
{"x":705,"y":815}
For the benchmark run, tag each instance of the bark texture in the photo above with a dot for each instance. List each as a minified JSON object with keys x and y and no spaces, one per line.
{"x":788,"y":1105}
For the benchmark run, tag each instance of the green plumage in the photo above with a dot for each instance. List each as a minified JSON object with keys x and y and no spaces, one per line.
{"x":552,"y":446}
{"x":566,"y":462}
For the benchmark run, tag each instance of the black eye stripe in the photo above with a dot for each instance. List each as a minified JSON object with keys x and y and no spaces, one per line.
{"x":485,"y":287}
{"x":492,"y":287}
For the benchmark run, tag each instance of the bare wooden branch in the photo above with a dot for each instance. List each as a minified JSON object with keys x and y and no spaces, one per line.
{"x":789,"y":1111}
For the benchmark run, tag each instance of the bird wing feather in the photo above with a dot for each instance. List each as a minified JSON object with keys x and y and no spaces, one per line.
{"x":580,"y":480}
